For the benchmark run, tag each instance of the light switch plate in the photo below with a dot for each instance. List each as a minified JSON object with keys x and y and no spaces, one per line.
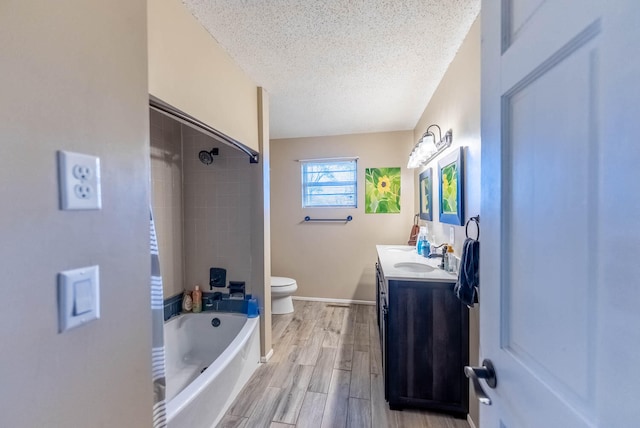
{"x":452,"y":235}
{"x":79,"y":181}
{"x":78,"y":297}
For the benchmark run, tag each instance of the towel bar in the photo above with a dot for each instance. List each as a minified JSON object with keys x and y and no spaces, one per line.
{"x":349,"y":218}
{"x":476,"y":220}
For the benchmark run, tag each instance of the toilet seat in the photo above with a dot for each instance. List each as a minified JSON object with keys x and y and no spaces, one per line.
{"x":281,"y":290}
{"x":281,"y":281}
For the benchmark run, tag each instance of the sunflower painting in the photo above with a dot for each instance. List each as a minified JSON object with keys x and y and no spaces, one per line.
{"x":382,"y":190}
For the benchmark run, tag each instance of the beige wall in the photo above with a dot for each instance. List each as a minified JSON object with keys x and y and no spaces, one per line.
{"x":335,"y":260}
{"x":191,"y":72}
{"x":70,"y":82}
{"x":456,"y":105}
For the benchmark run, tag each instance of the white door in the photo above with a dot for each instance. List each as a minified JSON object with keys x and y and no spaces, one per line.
{"x":560,"y":257}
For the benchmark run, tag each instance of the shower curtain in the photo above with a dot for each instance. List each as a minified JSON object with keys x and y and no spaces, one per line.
{"x":157,"y":344}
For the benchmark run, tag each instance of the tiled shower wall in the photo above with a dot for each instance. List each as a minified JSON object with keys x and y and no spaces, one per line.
{"x":216,"y":211}
{"x":202,"y":211}
{"x":166,"y":199}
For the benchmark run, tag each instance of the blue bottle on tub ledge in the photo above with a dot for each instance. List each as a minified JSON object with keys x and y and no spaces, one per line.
{"x":252,"y":308}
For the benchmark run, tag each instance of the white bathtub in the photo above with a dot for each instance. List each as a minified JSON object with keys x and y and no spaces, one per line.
{"x":230,"y":353}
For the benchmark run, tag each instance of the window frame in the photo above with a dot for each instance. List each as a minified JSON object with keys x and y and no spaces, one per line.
{"x":304,"y":163}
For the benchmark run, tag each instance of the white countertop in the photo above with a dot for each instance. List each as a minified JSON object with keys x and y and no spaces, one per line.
{"x":391,"y":255}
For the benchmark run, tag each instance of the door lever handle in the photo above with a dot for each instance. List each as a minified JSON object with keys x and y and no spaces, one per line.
{"x":485,"y":372}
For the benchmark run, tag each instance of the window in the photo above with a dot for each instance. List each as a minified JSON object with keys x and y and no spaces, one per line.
{"x":329,"y":183}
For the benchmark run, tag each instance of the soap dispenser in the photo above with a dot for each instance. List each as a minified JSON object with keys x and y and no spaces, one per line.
{"x":422,"y":239}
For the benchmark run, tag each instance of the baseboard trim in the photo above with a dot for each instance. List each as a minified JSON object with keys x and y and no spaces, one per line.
{"x":470,"y":421}
{"x":267,"y":357}
{"x":345,"y":301}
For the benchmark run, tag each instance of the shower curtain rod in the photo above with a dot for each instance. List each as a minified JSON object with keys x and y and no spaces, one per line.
{"x":183,"y":117}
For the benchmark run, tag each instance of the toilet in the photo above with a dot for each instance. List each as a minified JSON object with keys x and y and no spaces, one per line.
{"x":281,"y":290}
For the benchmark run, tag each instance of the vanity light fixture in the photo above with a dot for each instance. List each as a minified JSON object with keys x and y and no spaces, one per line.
{"x":427,"y":148}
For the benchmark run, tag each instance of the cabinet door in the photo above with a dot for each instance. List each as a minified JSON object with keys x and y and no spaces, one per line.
{"x":384,"y":315}
{"x":378,"y":289}
{"x":428,"y":344}
{"x":380,"y":286}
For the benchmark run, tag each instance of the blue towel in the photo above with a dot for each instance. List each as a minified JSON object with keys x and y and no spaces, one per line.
{"x":469,"y":275}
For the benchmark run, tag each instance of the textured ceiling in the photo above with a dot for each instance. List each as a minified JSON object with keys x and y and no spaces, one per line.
{"x":340,"y":66}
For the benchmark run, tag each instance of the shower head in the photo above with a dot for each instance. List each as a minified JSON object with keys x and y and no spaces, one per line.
{"x":207,"y":157}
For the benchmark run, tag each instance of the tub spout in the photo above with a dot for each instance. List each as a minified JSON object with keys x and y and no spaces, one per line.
{"x":236,"y":289}
{"x":207,"y":302}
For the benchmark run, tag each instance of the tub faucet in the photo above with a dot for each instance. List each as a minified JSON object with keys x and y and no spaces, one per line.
{"x":236,"y":289}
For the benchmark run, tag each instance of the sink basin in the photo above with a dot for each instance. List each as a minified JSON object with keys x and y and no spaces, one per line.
{"x":413,"y":267}
{"x":400,"y":250}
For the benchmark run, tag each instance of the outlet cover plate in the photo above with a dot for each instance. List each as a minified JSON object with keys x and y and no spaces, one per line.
{"x":78,"y":297}
{"x":79,"y":181}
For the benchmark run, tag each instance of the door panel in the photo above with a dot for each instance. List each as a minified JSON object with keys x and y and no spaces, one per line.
{"x":554,"y":27}
{"x":549,"y":228}
{"x":560,"y":169}
{"x":515,"y":15}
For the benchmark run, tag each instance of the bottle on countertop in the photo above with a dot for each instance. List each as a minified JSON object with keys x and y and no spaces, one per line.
{"x":252,"y":308}
{"x":197,"y":299}
{"x":187,"y":302}
{"x":451,"y":260}
{"x":422,"y":239}
{"x":427,"y":247}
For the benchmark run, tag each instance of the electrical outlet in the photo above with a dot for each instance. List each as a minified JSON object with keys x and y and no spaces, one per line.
{"x":83,"y":191}
{"x":79,"y":180}
{"x":82,"y":172}
{"x":452,"y":235}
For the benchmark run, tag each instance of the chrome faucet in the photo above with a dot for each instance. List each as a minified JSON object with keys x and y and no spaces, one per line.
{"x":442,"y":256}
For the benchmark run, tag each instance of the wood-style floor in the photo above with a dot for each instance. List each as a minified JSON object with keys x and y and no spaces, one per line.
{"x":325,"y":372}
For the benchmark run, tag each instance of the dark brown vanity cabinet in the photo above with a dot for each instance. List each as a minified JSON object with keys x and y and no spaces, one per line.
{"x":424,"y":333}
{"x":381,"y":311}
